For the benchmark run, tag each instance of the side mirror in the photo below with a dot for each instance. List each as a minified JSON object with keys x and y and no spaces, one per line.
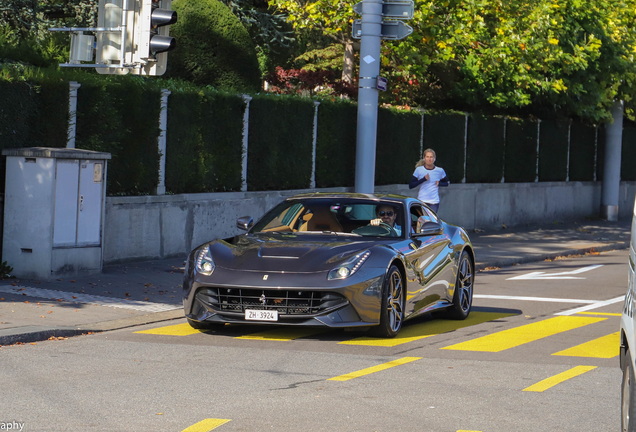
{"x":430,"y":228}
{"x":245,"y":222}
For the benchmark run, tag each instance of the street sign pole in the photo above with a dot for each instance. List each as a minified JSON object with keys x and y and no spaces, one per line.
{"x":370,"y":42}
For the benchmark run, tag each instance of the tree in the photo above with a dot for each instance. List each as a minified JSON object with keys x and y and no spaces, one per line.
{"x":213,"y":47}
{"x":333,"y":18}
{"x":24,"y":28}
{"x":551,"y":57}
{"x":573,"y":57}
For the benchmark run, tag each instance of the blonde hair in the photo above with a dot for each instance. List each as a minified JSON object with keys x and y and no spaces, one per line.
{"x":421,"y":162}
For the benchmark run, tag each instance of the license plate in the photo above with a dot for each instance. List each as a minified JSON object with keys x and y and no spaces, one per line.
{"x":261,"y":315}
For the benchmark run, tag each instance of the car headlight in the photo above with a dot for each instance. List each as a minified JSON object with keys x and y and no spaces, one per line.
{"x":349,"y":267}
{"x":203,"y":262}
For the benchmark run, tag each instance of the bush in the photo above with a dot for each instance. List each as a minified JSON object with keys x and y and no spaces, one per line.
{"x":445,"y":133}
{"x":336,"y":144}
{"x":280,"y":143}
{"x":204,"y":148}
{"x":120,"y":116}
{"x":521,"y":151}
{"x":213,"y":47}
{"x":398,"y":145}
{"x":485,"y":149}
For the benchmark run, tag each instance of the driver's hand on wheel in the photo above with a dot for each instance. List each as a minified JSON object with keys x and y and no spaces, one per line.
{"x":375,"y":222}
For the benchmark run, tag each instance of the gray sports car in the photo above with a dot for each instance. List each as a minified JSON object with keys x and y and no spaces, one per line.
{"x":335,"y":260}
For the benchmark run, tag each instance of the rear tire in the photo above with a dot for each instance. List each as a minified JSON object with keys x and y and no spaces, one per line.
{"x":463,"y":294}
{"x":392,"y":305}
{"x":628,"y":397}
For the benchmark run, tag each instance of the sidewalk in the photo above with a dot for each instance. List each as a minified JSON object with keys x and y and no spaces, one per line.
{"x":133,"y":294}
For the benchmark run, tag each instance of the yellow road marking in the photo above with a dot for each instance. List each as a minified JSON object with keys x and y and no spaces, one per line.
{"x":559,"y":378}
{"x":517,"y":336}
{"x":373,"y":369}
{"x":284,"y":334}
{"x":206,"y":425}
{"x":603,"y":347}
{"x":599,"y":313}
{"x":173,"y":330}
{"x":431,"y":328}
{"x":462,"y":430}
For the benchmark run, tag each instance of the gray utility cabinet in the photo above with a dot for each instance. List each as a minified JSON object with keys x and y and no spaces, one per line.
{"x":54,"y":211}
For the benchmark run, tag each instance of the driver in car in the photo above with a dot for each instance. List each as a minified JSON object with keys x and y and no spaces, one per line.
{"x":386,"y":214}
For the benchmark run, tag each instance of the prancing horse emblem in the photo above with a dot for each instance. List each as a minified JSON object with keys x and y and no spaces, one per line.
{"x":263,"y":299}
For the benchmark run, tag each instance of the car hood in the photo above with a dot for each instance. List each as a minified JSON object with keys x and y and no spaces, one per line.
{"x":277,"y":254}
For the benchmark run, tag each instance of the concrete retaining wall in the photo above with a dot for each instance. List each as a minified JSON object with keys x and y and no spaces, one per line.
{"x":153,"y":227}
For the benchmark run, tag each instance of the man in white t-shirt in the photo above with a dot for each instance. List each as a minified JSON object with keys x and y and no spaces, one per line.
{"x":429,"y":178}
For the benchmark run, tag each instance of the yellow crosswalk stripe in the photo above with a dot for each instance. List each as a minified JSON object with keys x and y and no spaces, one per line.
{"x":206,"y":425}
{"x":603,"y":347}
{"x":559,"y":378}
{"x":172,"y":330}
{"x":373,"y":369}
{"x":410,"y":333}
{"x":284,"y":334}
{"x":517,"y":336}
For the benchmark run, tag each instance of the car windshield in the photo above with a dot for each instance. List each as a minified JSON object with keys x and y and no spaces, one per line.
{"x":333,"y":216}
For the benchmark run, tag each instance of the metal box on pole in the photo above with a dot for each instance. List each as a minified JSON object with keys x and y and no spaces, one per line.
{"x":54,"y":211}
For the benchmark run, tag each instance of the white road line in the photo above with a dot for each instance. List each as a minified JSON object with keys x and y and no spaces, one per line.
{"x":89,"y":299}
{"x":541,"y":299}
{"x":593,"y":306}
{"x":561,"y":275}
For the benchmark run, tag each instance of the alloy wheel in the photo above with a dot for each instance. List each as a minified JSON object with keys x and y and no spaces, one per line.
{"x":395,"y":301}
{"x":465,"y":282}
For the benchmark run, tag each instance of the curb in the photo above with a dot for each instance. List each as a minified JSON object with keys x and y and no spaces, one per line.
{"x":507,"y":262}
{"x":39,"y":333}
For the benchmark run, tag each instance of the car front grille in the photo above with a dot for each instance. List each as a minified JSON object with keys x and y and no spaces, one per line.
{"x":286,"y":302}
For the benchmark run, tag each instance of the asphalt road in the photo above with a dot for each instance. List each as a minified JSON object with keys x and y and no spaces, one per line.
{"x":538,"y":353}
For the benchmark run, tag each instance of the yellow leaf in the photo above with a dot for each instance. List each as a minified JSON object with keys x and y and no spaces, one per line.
{"x":553,"y":41}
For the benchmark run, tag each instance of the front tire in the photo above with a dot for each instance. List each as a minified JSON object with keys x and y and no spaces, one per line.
{"x":628,"y":397}
{"x":463,"y":293}
{"x":392,"y":306}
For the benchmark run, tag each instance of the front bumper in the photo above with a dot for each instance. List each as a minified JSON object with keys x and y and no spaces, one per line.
{"x":303,"y":299}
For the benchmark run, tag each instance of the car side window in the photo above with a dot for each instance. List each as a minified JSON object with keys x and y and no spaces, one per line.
{"x":420,"y":215}
{"x":416,"y":212}
{"x":430,"y":215}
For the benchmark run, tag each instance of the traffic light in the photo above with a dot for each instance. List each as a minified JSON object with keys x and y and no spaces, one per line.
{"x":133,"y":36}
{"x":155,"y":19}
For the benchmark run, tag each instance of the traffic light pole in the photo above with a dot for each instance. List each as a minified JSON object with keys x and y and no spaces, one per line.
{"x":370,"y":41}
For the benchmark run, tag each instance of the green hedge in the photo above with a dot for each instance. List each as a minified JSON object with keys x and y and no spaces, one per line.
{"x":600,"y":153}
{"x":553,"y":150}
{"x":280,"y":143}
{"x":121,"y":117}
{"x":204,"y":146}
{"x":397,"y":145}
{"x":582,"y":152}
{"x":32,"y":114}
{"x":336,"y":144}
{"x":485,"y":149}
{"x":445,"y":133}
{"x":521,"y":151}
{"x":628,"y":154}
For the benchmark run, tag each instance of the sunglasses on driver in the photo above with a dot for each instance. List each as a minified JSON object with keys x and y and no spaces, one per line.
{"x":386,"y":213}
